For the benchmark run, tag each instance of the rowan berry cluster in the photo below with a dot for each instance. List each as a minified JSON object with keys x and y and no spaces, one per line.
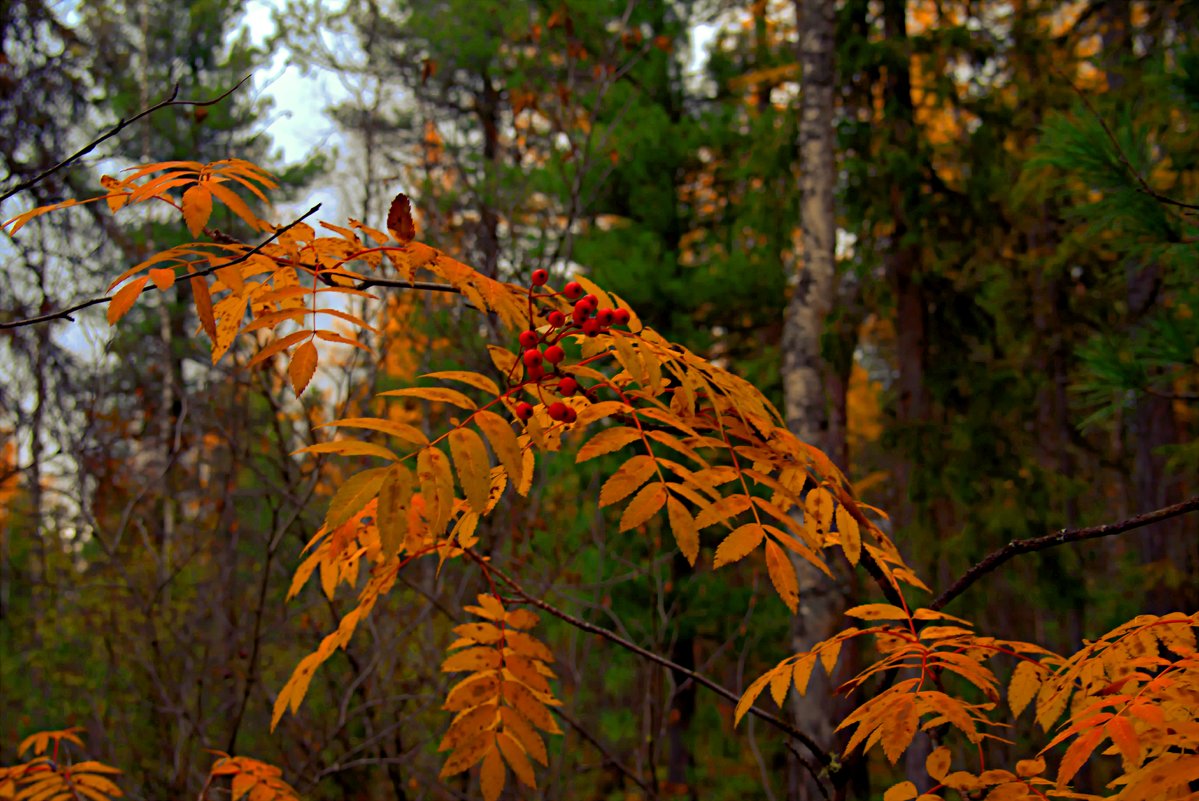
{"x":540,"y":352}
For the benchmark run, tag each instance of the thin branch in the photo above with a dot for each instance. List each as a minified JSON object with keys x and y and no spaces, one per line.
{"x":609,"y":757}
{"x":65,"y":314}
{"x":1145,"y":188}
{"x":116,"y":129}
{"x":613,"y":637}
{"x":1063,"y":537}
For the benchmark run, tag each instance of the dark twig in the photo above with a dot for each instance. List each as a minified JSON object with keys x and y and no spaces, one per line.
{"x":1145,"y":188}
{"x":698,"y":678}
{"x":1046,"y":541}
{"x":113,"y":131}
{"x":65,"y":314}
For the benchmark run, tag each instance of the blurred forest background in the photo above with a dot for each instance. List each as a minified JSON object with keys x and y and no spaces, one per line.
{"x":1011,"y":349}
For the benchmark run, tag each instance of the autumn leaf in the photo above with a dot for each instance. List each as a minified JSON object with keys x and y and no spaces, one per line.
{"x":399,"y":219}
{"x":197,"y":208}
{"x":302,"y":366}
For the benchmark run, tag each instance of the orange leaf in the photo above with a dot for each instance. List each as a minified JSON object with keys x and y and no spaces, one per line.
{"x":645,"y":504}
{"x":938,"y":762}
{"x":123,"y":301}
{"x":877,"y":612}
{"x":492,"y":775}
{"x":1077,"y":754}
{"x":1026,"y":680}
{"x":851,"y":535}
{"x":1125,"y":738}
{"x":163,"y":278}
{"x":739,"y":544}
{"x":303,"y":365}
{"x":197,"y":208}
{"x":516,"y":758}
{"x":474,"y":468}
{"x":627,"y":478}
{"x":782,"y":575}
{"x":607,"y":441}
{"x":683,"y":527}
{"x":203,"y":301}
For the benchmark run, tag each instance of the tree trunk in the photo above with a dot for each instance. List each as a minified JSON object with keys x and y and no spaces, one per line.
{"x":803,"y":370}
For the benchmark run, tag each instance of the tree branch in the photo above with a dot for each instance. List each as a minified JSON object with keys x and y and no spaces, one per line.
{"x":698,"y":678}
{"x":113,"y":131}
{"x":1044,"y":542}
{"x":65,"y":314}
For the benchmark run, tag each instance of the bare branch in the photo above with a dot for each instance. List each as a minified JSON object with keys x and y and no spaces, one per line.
{"x":113,"y":131}
{"x":1063,"y":537}
{"x":65,"y":314}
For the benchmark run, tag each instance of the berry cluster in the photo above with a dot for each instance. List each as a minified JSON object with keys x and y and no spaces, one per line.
{"x":541,"y":354}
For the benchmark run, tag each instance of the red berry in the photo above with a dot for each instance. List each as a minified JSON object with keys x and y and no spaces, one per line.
{"x":556,"y":319}
{"x":580,"y":313}
{"x":540,"y":277}
{"x":571,"y":415}
{"x":592,"y":302}
{"x":524,"y":410}
{"x":532,"y":357}
{"x":604,"y":317}
{"x":535,"y":372}
{"x":572,"y":290}
{"x":554,"y":354}
{"x":591,"y":328}
{"x":557,"y":410}
{"x":621,"y":317}
{"x":529,"y":339}
{"x":568,"y":386}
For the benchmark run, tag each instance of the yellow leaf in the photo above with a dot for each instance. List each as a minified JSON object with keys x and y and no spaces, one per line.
{"x":503,"y":443}
{"x":1125,"y":738}
{"x":627,"y":478}
{"x":801,"y":673}
{"x":645,"y":504}
{"x":1026,"y":680}
{"x":1027,"y":768}
{"x":607,"y":441}
{"x":228,"y":312}
{"x":492,"y":776}
{"x":436,"y":486}
{"x":203,"y":301}
{"x":877,"y":612}
{"x":352,"y":495}
{"x":474,"y":468}
{"x":482,"y":633}
{"x":723,"y":509}
{"x":780,"y":682}
{"x":123,"y":301}
{"x":937,"y":763}
{"x":521,"y":619}
{"x":350,"y":447}
{"x":476,"y":380}
{"x":899,"y":727}
{"x":739,"y":544}
{"x":904,"y":791}
{"x":818,"y":509}
{"x":395,"y":494}
{"x":436,"y":394}
{"x":516,"y":758}
{"x":524,"y":671}
{"x":527,"y":644}
{"x":403,"y":431}
{"x":489,"y":607}
{"x":473,"y":659}
{"x":197,"y":208}
{"x":683,"y":528}
{"x":851,"y":536}
{"x":782,"y":575}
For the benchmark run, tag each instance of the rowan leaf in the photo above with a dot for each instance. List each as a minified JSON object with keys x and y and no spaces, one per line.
{"x":522,"y":698}
{"x":353,"y":494}
{"x":904,"y":791}
{"x":350,"y":447}
{"x":682,"y":526}
{"x":782,"y":575}
{"x":123,"y":301}
{"x":473,"y":691}
{"x":435,"y":394}
{"x":492,"y":775}
{"x":503,"y":443}
{"x":877,"y":612}
{"x":749,"y":696}
{"x":197,"y":208}
{"x":467,"y":754}
{"x":626,"y":479}
{"x":401,"y":224}
{"x":436,"y":486}
{"x":645,"y":504}
{"x":900,"y":726}
{"x":402,"y":431}
{"x":1026,"y":681}
{"x":608,"y":440}
{"x":1078,"y":753}
{"x":302,"y":366}
{"x":937,"y":763}
{"x":522,"y":730}
{"x":851,"y":536}
{"x":739,"y":544}
{"x":517,"y":759}
{"x":474,"y":468}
